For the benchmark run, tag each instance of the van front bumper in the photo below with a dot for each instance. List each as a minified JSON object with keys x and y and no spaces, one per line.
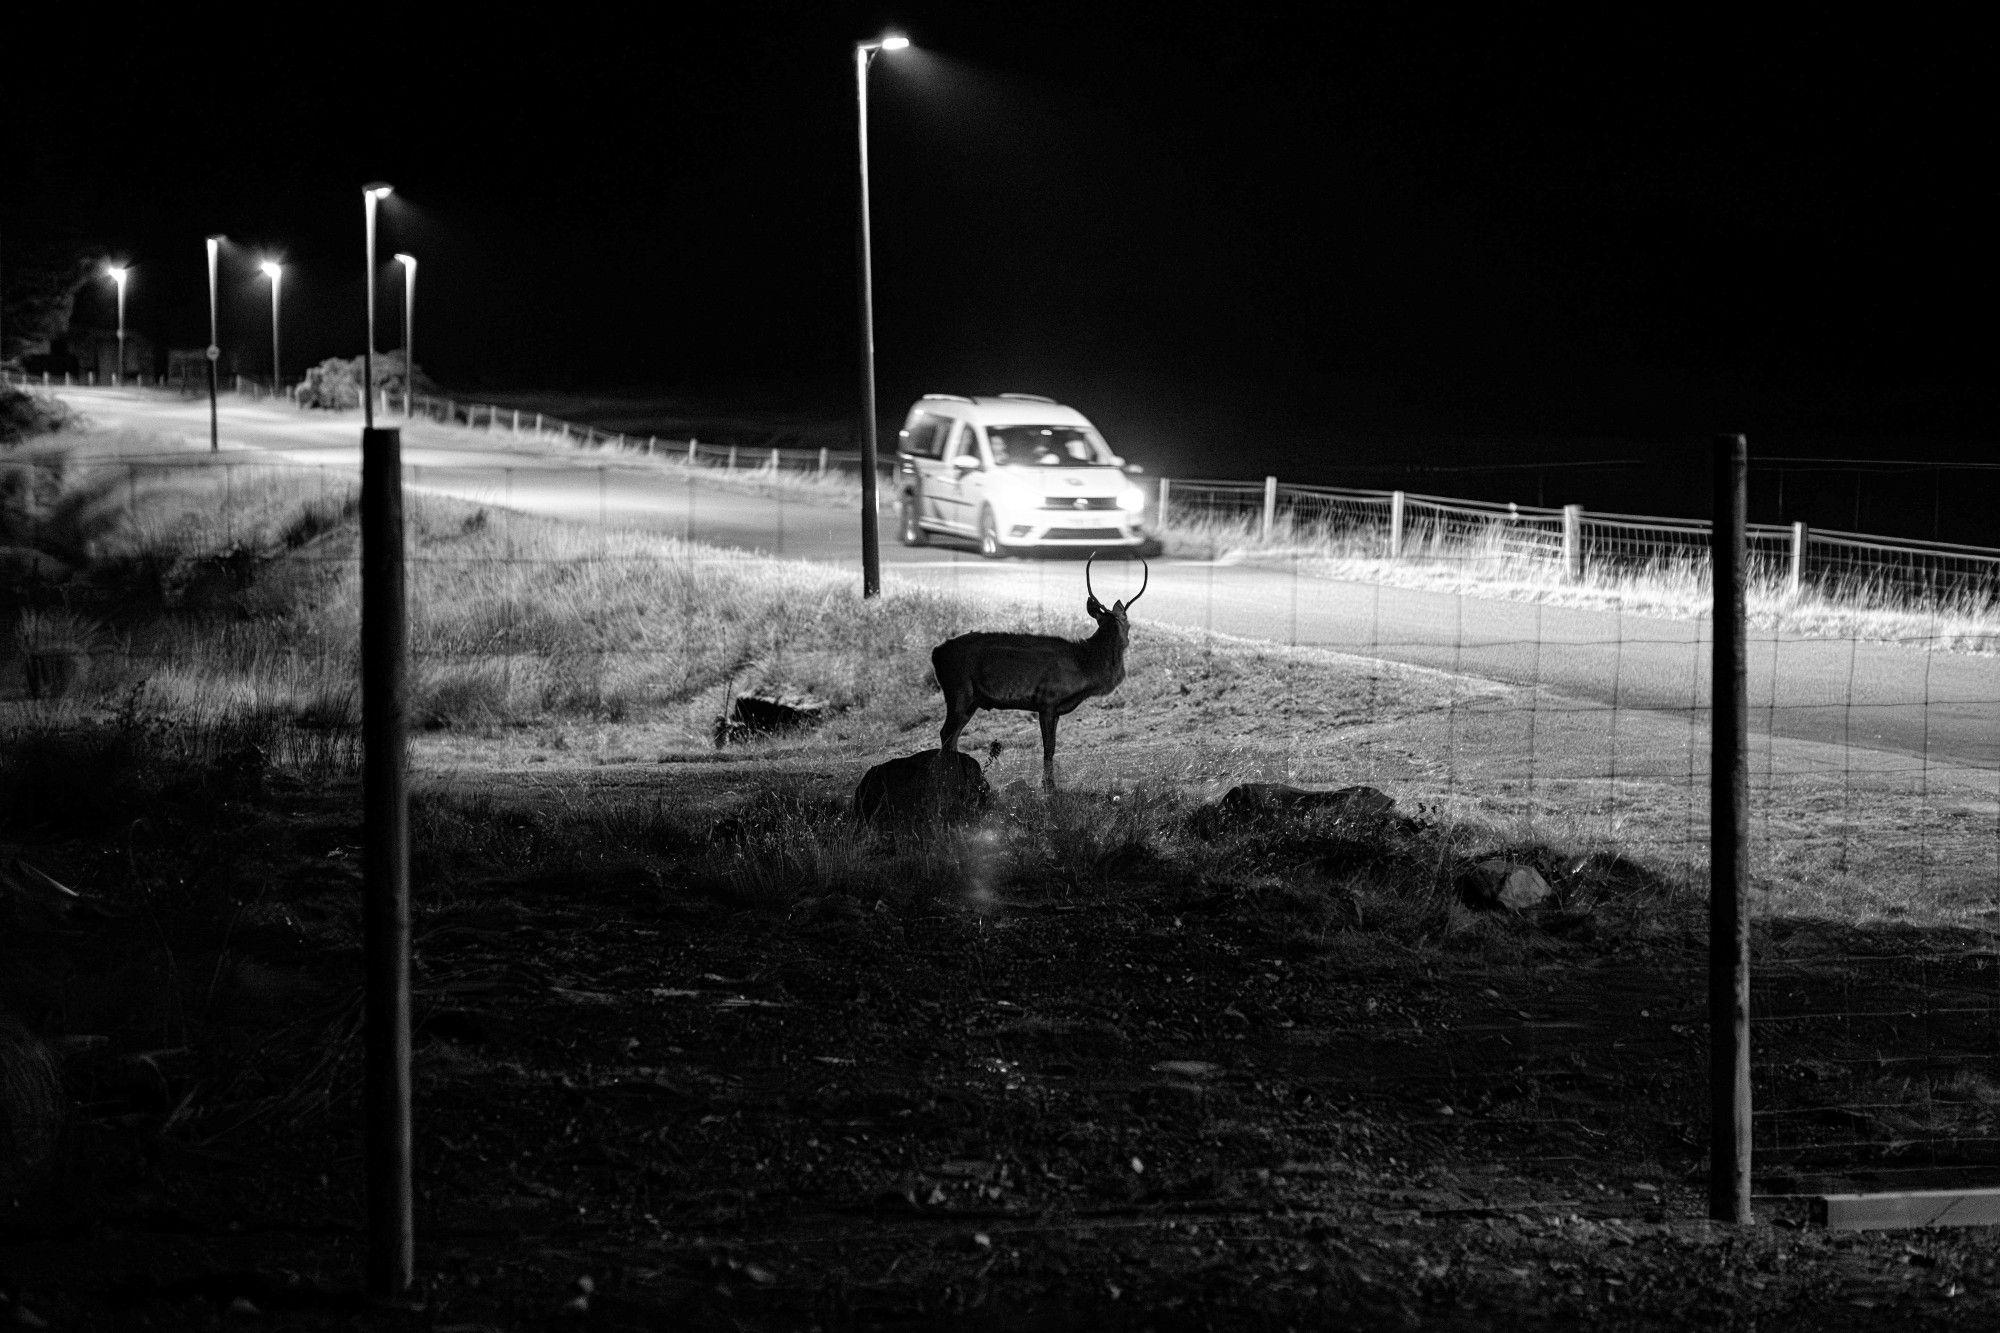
{"x":1091,"y":528}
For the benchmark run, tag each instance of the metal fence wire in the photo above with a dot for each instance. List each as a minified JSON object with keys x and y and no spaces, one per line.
{"x":1425,"y":646}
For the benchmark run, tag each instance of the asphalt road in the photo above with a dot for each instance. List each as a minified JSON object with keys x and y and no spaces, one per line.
{"x":1890,"y":699}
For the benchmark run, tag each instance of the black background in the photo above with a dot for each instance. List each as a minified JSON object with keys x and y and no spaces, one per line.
{"x":1317,"y":242}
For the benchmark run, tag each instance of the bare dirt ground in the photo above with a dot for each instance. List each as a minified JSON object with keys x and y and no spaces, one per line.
{"x":691,"y":1053}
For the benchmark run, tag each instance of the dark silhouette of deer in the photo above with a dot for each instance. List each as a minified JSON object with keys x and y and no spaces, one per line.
{"x":1035,"y":673}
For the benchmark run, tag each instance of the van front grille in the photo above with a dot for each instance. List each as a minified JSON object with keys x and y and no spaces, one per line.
{"x":1082,"y":534}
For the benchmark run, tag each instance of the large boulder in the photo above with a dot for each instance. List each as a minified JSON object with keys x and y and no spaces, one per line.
{"x":1499,"y":884}
{"x":918,"y":788}
{"x":1273,"y":802}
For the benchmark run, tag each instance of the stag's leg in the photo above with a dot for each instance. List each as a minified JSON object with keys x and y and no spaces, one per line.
{"x":1049,"y":720}
{"x":956,"y":714}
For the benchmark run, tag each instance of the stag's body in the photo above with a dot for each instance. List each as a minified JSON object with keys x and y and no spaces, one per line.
{"x":1034,"y":673}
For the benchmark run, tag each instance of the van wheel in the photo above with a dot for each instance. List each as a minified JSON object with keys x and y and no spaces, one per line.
{"x":906,"y":516}
{"x":990,"y":544}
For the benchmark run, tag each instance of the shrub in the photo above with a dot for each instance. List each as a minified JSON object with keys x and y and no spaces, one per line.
{"x":25,"y":414}
{"x":333,"y":385}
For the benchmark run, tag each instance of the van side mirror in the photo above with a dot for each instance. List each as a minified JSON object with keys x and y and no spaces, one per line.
{"x":965,"y":462}
{"x":1134,"y":467}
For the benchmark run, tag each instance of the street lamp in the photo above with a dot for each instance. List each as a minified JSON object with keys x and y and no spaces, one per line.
{"x":409,"y":263}
{"x":118,"y":273}
{"x":871,"y":537}
{"x":276,"y":273}
{"x":214,"y":346}
{"x":371,"y":195}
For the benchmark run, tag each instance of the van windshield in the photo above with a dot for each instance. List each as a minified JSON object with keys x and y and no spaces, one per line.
{"x":1047,"y":446}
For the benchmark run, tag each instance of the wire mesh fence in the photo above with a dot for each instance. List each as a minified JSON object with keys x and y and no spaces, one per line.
{"x":615,"y":599}
{"x":1571,"y":544}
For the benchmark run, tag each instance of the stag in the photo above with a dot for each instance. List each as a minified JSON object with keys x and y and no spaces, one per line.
{"x":1035,"y":673}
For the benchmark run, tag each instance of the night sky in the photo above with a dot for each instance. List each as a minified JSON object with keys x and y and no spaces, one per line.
{"x":1240,"y":239}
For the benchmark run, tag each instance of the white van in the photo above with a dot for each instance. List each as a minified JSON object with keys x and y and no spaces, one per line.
{"x":1012,"y":472}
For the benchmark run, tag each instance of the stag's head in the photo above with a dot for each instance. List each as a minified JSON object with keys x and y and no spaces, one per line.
{"x":1112,"y":618}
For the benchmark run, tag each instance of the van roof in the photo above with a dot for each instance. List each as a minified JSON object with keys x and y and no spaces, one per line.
{"x":1008,"y":409}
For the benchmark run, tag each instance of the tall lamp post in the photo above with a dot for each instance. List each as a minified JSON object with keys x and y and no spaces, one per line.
{"x":871,"y":537}
{"x":118,"y":273}
{"x":409,"y":263}
{"x":371,"y":195}
{"x":214,"y":347}
{"x":276,"y":273}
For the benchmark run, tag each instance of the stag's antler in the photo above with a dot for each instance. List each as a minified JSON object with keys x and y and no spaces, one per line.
{"x":1146,"y":576}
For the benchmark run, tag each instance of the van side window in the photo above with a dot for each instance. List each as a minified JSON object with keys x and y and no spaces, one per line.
{"x":964,"y":441}
{"x":924,"y":436}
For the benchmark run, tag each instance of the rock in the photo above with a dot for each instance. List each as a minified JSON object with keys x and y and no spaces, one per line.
{"x":1499,"y":883}
{"x":1269,"y":802}
{"x":31,"y":1103}
{"x":768,"y":712}
{"x":922,"y":787}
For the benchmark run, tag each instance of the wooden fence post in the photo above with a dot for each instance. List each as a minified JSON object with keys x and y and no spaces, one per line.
{"x":774,"y":461}
{"x":1166,"y":499}
{"x":1572,"y":543}
{"x":1398,"y":515}
{"x":822,"y":460}
{"x":1270,"y":506}
{"x":1729,"y":848}
{"x":385,"y":869}
{"x":732,"y":459}
{"x":1796,"y":577}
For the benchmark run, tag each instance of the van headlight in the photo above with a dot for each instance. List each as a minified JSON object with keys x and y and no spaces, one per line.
{"x":1132,"y":500}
